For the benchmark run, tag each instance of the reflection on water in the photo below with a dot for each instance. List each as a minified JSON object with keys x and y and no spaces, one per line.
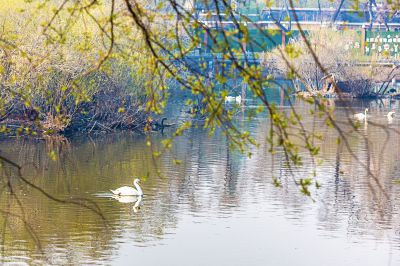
{"x":130,"y":199}
{"x":217,"y":207}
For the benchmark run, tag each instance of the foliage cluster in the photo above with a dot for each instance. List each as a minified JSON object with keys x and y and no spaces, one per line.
{"x":332,"y":49}
{"x":54,"y":75}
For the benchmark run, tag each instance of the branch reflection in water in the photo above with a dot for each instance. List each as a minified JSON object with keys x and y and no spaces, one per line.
{"x":355,"y":204}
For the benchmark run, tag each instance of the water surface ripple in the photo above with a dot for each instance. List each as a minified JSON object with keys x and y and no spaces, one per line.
{"x":216,"y":207}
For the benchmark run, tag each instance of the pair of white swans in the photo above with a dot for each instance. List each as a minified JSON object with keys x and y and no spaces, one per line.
{"x":363,"y":116}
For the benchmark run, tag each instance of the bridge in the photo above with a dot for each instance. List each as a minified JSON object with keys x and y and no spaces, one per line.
{"x":308,"y":18}
{"x":375,"y":31}
{"x":254,"y":58}
{"x":270,"y":27}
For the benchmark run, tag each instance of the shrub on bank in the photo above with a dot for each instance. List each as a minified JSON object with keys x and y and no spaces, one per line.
{"x":62,"y":76}
{"x":327,"y":56}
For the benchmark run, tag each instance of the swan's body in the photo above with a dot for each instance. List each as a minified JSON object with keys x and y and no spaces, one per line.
{"x":129,"y":191}
{"x":237,"y":99}
{"x":390,"y":115}
{"x":361,"y":116}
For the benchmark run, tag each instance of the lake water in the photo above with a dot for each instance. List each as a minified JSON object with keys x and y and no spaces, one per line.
{"x":217,"y":207}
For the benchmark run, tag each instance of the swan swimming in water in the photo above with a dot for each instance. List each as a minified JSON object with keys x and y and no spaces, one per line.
{"x":390,"y":116}
{"x":129,"y":191}
{"x":361,"y":116}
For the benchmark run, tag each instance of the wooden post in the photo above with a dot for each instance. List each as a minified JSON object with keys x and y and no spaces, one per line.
{"x":363,"y":40}
{"x":283,"y":38}
{"x":244,"y":87}
{"x":205,"y":41}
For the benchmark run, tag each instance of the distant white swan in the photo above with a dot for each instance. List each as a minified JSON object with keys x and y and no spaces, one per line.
{"x":237,"y":99}
{"x":361,"y":116}
{"x":129,"y":191}
{"x":390,"y":115}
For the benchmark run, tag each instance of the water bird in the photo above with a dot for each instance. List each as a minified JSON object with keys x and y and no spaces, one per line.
{"x":361,"y":116}
{"x":390,"y":115}
{"x":237,"y":99}
{"x":156,"y":126}
{"x":129,"y":191}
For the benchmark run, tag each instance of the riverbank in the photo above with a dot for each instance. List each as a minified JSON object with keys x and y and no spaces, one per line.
{"x":53,"y":83}
{"x":107,"y":110}
{"x":322,"y":66}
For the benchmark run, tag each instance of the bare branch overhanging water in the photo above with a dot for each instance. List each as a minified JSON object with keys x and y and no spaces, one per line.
{"x":215,"y":107}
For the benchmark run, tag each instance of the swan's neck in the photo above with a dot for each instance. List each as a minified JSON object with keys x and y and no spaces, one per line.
{"x":138,"y":188}
{"x":365,"y":112}
{"x":162,"y":121}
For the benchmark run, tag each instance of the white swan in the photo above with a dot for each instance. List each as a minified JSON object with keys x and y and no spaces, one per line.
{"x":390,"y":115}
{"x":129,"y":191}
{"x":237,"y":99}
{"x":361,"y":116}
